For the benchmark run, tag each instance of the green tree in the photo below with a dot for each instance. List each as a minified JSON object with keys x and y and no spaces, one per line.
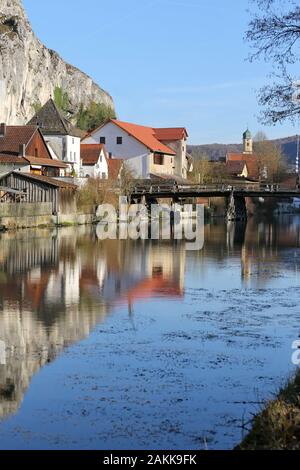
{"x":92,"y":117}
{"x":61,"y":100}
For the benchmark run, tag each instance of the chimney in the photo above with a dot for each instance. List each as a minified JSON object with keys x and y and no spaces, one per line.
{"x":22,"y":150}
{"x":2,"y":130}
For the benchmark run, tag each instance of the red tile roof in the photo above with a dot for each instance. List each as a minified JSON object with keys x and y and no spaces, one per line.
{"x":171,"y":133}
{"x":251,"y":161}
{"x":16,"y":136}
{"x":46,"y":162}
{"x":241,"y":156}
{"x":12,"y":159}
{"x":148,"y":136}
{"x":90,"y":153}
{"x":15,"y":160}
{"x":58,"y":183}
{"x":145,"y":135}
{"x":235,"y":167}
{"x":114,"y":167}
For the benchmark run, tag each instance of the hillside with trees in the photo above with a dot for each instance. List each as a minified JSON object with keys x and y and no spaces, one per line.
{"x":287,"y":145}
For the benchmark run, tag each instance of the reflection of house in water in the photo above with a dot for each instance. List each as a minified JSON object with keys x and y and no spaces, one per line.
{"x":55,"y":288}
{"x":151,"y":270}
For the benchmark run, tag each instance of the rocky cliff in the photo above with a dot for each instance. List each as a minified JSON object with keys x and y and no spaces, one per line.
{"x":30,"y":73}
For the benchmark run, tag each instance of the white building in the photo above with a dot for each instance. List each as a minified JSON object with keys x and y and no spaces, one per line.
{"x":93,"y":161}
{"x":147,"y":151}
{"x":63,"y":139}
{"x":24,"y":149}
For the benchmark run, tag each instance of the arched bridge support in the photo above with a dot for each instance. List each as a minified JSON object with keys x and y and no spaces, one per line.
{"x":236,"y":208}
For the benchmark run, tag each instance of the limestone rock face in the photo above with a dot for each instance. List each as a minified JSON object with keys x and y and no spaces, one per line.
{"x":29,"y":72}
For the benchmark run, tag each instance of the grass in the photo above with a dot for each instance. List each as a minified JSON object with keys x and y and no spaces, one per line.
{"x":277,"y":427}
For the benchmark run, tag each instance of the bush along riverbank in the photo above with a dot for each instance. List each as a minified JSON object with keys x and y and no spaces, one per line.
{"x":277,"y":427}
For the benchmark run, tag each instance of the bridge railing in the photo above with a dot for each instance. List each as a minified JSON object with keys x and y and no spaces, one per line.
{"x":166,"y":188}
{"x":188,"y":188}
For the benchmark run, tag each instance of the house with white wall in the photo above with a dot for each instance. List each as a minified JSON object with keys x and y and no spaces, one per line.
{"x":145,"y":150}
{"x":61,"y":136}
{"x":24,"y":149}
{"x":93,"y":161}
{"x":176,"y":139}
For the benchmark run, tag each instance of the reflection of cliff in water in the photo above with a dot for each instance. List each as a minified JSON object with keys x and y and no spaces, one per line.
{"x":55,"y":288}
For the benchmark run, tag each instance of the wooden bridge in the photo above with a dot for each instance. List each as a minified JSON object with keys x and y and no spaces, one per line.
{"x":180,"y":191}
{"x":235,"y":194}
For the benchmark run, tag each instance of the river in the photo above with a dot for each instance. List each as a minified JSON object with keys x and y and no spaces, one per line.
{"x":142,"y":344}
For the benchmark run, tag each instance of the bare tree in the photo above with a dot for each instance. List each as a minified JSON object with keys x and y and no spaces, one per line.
{"x":274,"y":34}
{"x":260,"y":136}
{"x":201,"y":170}
{"x":207,"y":172}
{"x":126,"y":181}
{"x":270,"y":160}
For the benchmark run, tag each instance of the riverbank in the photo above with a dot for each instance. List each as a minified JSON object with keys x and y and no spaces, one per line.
{"x":277,"y":427}
{"x":30,"y":215}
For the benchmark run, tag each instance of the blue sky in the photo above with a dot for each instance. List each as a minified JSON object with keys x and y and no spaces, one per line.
{"x":165,"y":62}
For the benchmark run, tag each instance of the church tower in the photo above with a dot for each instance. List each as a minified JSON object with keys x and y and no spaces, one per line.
{"x":248,"y":142}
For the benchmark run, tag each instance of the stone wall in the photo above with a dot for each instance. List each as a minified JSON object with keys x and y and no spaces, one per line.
{"x":25,"y":209}
{"x":24,"y":215}
{"x":74,"y":219}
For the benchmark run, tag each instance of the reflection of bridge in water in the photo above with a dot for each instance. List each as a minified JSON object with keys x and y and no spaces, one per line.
{"x":234,"y":195}
{"x":56,"y":287}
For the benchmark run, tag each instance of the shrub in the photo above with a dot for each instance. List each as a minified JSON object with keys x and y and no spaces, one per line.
{"x":61,"y":99}
{"x":93,"y":116}
{"x":96,"y":192}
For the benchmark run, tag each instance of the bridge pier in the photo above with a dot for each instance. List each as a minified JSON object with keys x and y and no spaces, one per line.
{"x":236,"y":208}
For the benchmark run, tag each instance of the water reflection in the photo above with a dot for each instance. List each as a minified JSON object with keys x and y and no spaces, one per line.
{"x":261,"y":247}
{"x":56,"y":286}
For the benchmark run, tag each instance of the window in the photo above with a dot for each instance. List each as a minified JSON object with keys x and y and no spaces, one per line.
{"x":158,"y":159}
{"x":110,"y":155}
{"x":36,"y":152}
{"x":71,"y":156}
{"x":102,"y":140}
{"x":119,"y":140}
{"x":73,"y":141}
{"x":100,"y":157}
{"x":103,"y":176}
